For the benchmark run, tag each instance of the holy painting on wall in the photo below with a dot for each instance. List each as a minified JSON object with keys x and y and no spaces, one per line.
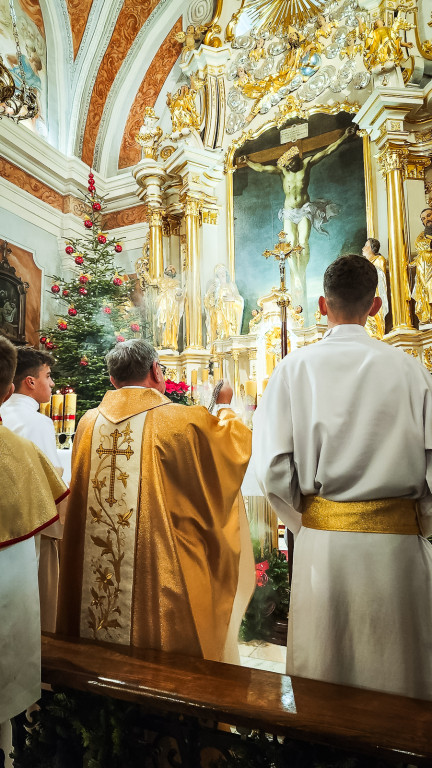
{"x":33,"y":47}
{"x":314,"y":191}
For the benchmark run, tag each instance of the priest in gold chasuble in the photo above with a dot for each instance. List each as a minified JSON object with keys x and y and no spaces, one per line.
{"x":156,"y":550}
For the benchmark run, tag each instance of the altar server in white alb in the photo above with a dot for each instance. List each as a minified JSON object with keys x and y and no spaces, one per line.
{"x":343,"y":449}
{"x":33,"y":385}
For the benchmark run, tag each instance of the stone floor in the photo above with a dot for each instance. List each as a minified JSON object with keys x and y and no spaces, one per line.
{"x":261,"y":655}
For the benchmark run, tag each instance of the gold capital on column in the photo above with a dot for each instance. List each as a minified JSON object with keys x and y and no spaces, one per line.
{"x":155,"y":245}
{"x":193,"y":296}
{"x":392,"y":160}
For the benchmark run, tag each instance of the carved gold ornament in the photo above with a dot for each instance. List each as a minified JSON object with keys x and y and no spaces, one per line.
{"x":278,"y":16}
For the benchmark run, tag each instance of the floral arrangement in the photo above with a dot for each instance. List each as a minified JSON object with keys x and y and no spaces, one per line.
{"x":177,"y":393}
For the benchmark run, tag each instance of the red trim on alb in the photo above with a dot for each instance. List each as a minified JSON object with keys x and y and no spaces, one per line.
{"x":29,"y":535}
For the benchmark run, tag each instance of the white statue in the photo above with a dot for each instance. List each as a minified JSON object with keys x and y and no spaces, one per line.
{"x":223,"y":306}
{"x":169,"y":308}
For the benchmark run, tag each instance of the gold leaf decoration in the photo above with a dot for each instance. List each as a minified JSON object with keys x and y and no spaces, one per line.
{"x":277,"y":16}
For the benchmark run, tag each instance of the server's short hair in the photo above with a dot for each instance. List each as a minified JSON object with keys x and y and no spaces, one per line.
{"x":8,"y":360}
{"x":29,"y":363}
{"x":350,"y":284}
{"x":375,"y":244}
{"x":131,"y":360}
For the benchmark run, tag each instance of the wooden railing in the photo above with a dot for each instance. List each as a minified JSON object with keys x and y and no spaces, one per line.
{"x":390,"y":727}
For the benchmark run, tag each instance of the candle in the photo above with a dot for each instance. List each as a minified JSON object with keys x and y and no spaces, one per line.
{"x":204,"y":375}
{"x":216,"y":373}
{"x":250,"y":389}
{"x":69,"y":413}
{"x":269,"y":363}
{"x":57,"y":412}
{"x":45,"y":408}
{"x":194,"y":377}
{"x":264,"y":384}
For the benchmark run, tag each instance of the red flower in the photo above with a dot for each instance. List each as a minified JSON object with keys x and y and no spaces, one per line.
{"x":135,"y":327}
{"x":69,"y":249}
{"x":88,"y":223}
{"x":107,"y":310}
{"x":120,"y":338}
{"x":55,"y":288}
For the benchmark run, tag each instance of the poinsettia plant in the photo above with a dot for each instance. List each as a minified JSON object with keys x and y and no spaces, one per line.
{"x":177,"y":392}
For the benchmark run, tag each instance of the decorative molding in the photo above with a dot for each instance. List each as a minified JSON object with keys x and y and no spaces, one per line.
{"x":136,"y":214}
{"x":30,"y":184}
{"x":147,"y":94}
{"x":415,"y":167}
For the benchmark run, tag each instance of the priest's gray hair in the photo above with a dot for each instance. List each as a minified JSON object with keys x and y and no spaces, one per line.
{"x":131,"y":360}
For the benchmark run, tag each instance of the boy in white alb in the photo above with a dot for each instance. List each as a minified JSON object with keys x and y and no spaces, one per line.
{"x":30,"y":490}
{"x":33,"y":385}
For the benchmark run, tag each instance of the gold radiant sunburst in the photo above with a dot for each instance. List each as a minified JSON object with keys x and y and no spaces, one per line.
{"x":277,"y":16}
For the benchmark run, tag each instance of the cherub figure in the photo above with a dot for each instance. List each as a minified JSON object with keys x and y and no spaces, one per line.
{"x":383,"y":45}
{"x":191,"y":36}
{"x":258,"y":51}
{"x":351,"y":47}
{"x":324,"y":29}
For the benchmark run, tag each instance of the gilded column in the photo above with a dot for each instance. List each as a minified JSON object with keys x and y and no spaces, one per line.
{"x":193,"y":294}
{"x":155,"y":243}
{"x":391,"y":160}
{"x":236,"y":356}
{"x":367,"y":161}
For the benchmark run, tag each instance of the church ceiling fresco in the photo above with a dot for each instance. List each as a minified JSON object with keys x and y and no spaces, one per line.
{"x":159,"y":69}
{"x":78,"y":14}
{"x":129,"y":22}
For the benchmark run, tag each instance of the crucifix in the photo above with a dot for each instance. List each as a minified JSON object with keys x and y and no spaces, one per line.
{"x":282,"y":251}
{"x":114,"y":451}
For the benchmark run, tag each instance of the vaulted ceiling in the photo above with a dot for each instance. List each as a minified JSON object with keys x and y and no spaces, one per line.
{"x":106,"y":61}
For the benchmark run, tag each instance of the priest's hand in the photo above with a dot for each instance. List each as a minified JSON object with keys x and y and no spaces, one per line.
{"x":225,"y":394}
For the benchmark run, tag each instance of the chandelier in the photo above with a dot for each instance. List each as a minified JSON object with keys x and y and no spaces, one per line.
{"x":279,"y":16}
{"x":17,"y":103}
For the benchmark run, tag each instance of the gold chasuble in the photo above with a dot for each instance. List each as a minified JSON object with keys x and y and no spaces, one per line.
{"x":30,"y":489}
{"x":151,"y":554}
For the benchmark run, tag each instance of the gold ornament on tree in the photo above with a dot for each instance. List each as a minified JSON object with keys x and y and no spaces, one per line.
{"x":279,"y":16}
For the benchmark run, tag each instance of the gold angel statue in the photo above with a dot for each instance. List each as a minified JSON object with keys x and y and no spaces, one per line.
{"x":422,"y":293}
{"x":191,"y":36}
{"x":382,"y":46}
{"x":184,"y":113}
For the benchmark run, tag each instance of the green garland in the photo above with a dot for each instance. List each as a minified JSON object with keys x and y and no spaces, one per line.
{"x":270,"y":602}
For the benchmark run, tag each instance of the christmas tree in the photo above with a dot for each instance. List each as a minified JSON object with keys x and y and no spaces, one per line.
{"x":95,"y":310}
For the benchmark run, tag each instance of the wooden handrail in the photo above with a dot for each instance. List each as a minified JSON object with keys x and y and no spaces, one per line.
{"x":392,"y":727}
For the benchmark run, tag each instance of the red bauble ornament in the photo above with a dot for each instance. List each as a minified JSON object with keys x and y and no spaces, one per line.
{"x":135,"y":327}
{"x":88,"y":223}
{"x":49,"y":345}
{"x":79,"y":260}
{"x":69,"y":249}
{"x":91,"y":176}
{"x":43,"y":339}
{"x":65,"y":292}
{"x":84,"y":361}
{"x":102,"y":239}
{"x":118,"y":281}
{"x":120,"y":338}
{"x":91,"y":189}
{"x":118,"y":248}
{"x":96,"y":206}
{"x":62,"y":325}
{"x":83,"y":291}
{"x":72,"y":311}
{"x":107,"y":310}
{"x":83,"y":279}
{"x":55,"y":288}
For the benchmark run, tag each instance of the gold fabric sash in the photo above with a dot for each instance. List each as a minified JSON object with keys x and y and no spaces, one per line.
{"x":378,"y":516}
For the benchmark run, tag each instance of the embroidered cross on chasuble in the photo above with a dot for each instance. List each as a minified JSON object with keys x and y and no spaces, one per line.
{"x":156,"y":550}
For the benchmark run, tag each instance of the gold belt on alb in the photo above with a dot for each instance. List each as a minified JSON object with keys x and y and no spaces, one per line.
{"x":379,"y":516}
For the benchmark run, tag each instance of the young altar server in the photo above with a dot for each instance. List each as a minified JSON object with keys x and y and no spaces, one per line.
{"x":33,"y":385}
{"x":30,"y":490}
{"x":342,"y":444}
{"x":156,"y":551}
